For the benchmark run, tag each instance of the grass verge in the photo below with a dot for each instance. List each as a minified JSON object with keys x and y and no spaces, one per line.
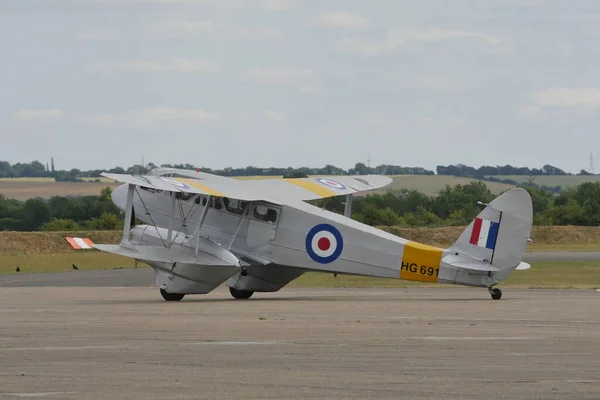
{"x":553,"y":275}
{"x":546,"y":275}
{"x":88,"y":260}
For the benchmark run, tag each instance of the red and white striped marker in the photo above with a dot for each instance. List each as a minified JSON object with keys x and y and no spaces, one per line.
{"x":80,"y":243}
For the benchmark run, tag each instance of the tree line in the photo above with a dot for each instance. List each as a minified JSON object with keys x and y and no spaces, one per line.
{"x":60,"y":213}
{"x":453,"y":206}
{"x":38,"y":169}
{"x":487,"y":170}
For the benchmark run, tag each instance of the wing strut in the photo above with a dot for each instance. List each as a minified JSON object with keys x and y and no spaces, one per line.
{"x":348,"y":206}
{"x":199,"y":226}
{"x":170,"y":234}
{"x":246,"y":210}
{"x":128,"y":211}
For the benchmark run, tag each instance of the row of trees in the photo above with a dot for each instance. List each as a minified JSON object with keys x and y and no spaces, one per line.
{"x":457,"y":206}
{"x":60,"y":213}
{"x":487,"y":170}
{"x":38,"y":169}
{"x":453,"y":206}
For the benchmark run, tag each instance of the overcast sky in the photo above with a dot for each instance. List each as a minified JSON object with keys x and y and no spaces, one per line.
{"x":216,"y":83}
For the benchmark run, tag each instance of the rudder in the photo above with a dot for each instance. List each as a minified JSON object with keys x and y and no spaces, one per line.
{"x":500,"y":232}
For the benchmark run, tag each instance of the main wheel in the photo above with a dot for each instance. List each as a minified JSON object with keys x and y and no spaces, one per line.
{"x":496,"y":293}
{"x":171,"y":296}
{"x":240,"y":294}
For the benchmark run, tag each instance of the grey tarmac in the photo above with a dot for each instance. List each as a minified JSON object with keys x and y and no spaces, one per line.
{"x":145,"y":276}
{"x":417,"y":343}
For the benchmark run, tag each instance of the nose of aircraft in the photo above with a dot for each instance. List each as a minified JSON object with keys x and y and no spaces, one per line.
{"x":119,"y":196}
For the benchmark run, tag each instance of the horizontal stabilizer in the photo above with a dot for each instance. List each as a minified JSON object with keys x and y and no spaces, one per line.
{"x":161,"y":254}
{"x":459,"y":261}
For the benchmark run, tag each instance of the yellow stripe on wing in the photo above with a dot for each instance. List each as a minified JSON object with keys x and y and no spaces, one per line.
{"x":198,"y":185}
{"x":312,"y":186}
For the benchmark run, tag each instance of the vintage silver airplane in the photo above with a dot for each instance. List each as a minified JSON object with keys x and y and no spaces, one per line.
{"x":259,"y":235}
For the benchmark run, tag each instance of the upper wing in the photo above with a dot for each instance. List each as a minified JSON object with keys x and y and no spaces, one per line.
{"x":189,"y":174}
{"x":278,"y":191}
{"x":290,"y":190}
{"x":224,"y":188}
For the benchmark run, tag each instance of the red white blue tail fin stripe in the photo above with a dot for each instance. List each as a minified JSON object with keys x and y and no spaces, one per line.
{"x":484,"y":233}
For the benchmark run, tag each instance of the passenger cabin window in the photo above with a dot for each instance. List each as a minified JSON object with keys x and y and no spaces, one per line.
{"x":184,"y":196}
{"x":265,"y":214}
{"x":234,"y":206}
{"x":214,"y":203}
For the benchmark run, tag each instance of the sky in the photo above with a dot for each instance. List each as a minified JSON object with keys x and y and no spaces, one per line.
{"x":232,"y":83}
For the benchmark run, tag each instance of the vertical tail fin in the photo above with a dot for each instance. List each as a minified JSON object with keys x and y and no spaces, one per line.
{"x":499,"y":234}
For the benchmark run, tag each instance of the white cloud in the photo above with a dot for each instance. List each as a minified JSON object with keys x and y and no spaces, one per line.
{"x":218,"y":5}
{"x":565,"y":97}
{"x":397,"y":39}
{"x":154,"y":115}
{"x":583,"y":99}
{"x":181,"y":28}
{"x":165,"y":114}
{"x":38,"y":114}
{"x":279,"y":75}
{"x":177,"y":29}
{"x":435,"y":83}
{"x":177,"y":64}
{"x":304,"y":79}
{"x":344,"y":20}
{"x":564,"y":47}
{"x":274,"y":115}
{"x":99,"y":35}
{"x":386,"y":120}
{"x":275,"y":5}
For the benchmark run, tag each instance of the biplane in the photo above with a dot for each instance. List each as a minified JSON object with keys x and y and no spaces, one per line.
{"x":200,"y":230}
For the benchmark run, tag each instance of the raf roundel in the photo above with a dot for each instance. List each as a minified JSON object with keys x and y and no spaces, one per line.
{"x":330,"y":183}
{"x":173,"y":182}
{"x":324,"y":243}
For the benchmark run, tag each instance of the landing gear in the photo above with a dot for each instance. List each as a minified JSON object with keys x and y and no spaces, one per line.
{"x":171,"y":296}
{"x":496,"y":293}
{"x":240,"y":294}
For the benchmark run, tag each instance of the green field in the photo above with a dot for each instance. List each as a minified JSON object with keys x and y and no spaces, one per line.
{"x":432,"y":184}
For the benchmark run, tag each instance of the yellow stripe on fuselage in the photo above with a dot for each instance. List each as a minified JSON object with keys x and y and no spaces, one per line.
{"x":312,"y":186}
{"x":204,"y":188}
{"x":420,"y":262}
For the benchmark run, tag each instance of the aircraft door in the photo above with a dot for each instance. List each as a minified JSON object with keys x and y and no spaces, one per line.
{"x":262,"y":225}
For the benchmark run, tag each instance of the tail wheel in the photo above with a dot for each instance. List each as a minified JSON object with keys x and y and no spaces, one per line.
{"x":496,"y":293}
{"x":240,"y":294}
{"x":171,"y":296}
